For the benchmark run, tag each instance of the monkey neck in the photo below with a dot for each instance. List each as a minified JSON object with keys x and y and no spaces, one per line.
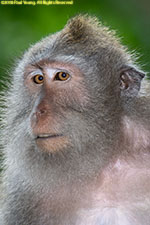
{"x":135,"y":127}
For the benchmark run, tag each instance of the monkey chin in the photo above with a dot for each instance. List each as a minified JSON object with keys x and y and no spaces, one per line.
{"x":52,"y":144}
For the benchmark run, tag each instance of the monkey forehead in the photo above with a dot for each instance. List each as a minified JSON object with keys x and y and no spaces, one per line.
{"x":83,"y":37}
{"x":48,"y":65}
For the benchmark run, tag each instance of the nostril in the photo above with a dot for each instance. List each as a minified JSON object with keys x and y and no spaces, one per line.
{"x":41,"y":112}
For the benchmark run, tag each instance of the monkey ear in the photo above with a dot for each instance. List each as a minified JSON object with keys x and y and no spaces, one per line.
{"x":130,"y":81}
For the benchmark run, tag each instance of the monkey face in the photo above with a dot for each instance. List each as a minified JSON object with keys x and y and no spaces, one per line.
{"x":58,"y":92}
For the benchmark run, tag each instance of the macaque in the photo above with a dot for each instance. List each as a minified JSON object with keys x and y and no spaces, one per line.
{"x":76,"y":132}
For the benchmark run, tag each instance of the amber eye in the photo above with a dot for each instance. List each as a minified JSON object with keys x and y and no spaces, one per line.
{"x":38,"y":79}
{"x":62,"y":76}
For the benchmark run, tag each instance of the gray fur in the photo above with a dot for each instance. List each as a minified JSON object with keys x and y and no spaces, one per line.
{"x":95,"y":128}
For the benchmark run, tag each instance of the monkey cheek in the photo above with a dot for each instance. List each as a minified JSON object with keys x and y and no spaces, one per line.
{"x":52,"y":145}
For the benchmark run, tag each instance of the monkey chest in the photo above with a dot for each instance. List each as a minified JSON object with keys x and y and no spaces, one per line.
{"x":121,"y":199}
{"x":105,"y":216}
{"x":111,"y":211}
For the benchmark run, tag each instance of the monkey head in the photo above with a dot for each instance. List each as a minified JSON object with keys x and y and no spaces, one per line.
{"x":68,"y":92}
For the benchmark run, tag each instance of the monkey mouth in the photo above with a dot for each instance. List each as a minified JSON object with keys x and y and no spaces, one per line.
{"x":51,"y":143}
{"x":47,"y":136}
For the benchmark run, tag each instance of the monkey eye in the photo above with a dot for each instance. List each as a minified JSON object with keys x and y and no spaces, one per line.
{"x":38,"y":79}
{"x":62,"y":76}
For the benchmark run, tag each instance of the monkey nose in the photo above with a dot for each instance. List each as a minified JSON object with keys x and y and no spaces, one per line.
{"x":40,"y":113}
{"x":37,"y":115}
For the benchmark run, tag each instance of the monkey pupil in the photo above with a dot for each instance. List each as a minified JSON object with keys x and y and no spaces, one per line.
{"x":40,"y":78}
{"x":63,"y":75}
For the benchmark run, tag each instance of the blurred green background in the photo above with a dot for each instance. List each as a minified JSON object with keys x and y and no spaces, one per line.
{"x":21,"y":26}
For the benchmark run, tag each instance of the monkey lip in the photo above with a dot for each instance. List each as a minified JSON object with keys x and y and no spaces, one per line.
{"x":46,"y":136}
{"x":51,"y":142}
